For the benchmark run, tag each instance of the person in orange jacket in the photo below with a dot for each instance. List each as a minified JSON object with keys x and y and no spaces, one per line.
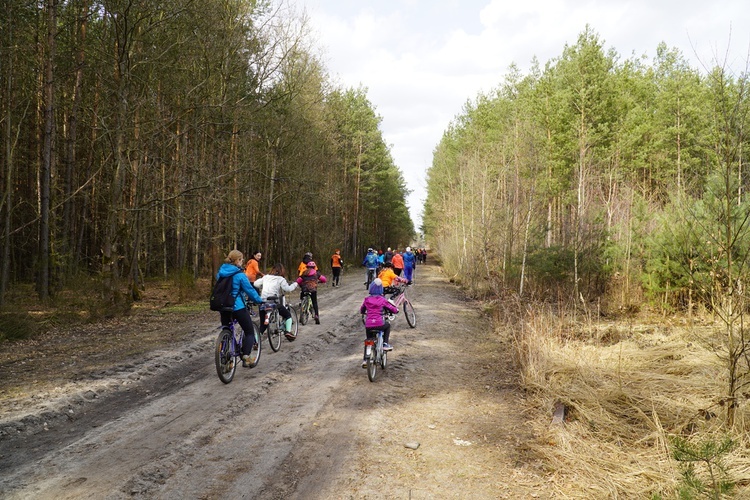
{"x":303,"y":265}
{"x":252,"y":269}
{"x":398,"y":262}
{"x":336,"y":264}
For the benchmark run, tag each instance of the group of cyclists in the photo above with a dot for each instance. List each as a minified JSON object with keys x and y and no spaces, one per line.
{"x":250,"y":285}
{"x":248,"y":280}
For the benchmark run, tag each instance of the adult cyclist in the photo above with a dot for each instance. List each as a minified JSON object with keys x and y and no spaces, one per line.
{"x":232,"y":267}
{"x":371,"y":263}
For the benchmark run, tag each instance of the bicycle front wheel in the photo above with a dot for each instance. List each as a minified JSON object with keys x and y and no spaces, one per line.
{"x":274,"y":332}
{"x":411,"y":316}
{"x":304,"y":311}
{"x":226,"y":364}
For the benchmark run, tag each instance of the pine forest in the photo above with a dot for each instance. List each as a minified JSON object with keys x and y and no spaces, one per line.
{"x":146,"y":139}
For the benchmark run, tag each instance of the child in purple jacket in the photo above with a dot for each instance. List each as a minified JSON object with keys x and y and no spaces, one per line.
{"x":373,"y":307}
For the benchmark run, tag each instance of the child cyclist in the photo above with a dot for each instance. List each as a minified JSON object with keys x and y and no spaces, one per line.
{"x":308,"y":282}
{"x":232,"y":266}
{"x":373,"y":308}
{"x":275,"y":284}
{"x":388,"y":278}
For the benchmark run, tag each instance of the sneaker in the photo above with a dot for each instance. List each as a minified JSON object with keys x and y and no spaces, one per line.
{"x":290,"y":336}
{"x":317,"y":320}
{"x":387,"y":347}
{"x":364,"y":363}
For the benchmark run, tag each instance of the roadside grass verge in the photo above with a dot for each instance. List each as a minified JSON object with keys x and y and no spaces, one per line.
{"x":629,"y":390}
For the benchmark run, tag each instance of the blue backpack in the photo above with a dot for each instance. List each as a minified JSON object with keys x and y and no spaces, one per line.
{"x":371,"y":260}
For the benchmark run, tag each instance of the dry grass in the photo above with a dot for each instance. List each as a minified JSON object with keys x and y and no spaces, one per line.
{"x":626,"y":387}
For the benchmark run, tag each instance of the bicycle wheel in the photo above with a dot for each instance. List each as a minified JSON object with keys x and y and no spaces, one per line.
{"x":304,"y":311}
{"x":372,"y":364}
{"x":274,"y":332}
{"x":411,"y":316}
{"x":381,"y":355}
{"x":226,"y":364}
{"x":255,"y":353}
{"x":295,"y":324}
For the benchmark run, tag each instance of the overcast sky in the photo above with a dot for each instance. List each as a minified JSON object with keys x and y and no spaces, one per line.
{"x":421,"y":60}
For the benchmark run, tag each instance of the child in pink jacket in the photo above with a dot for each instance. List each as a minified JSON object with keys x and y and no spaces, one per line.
{"x":373,"y":308}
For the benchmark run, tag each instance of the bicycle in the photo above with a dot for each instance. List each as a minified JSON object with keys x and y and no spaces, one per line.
{"x":371,"y":275}
{"x":229,"y":350}
{"x":375,"y":354}
{"x":398,"y":299}
{"x":275,"y":322}
{"x":306,"y":310}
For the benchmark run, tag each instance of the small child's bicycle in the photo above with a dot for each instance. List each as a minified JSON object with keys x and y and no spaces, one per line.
{"x":305,"y":308}
{"x":376,"y":355}
{"x":229,"y":350}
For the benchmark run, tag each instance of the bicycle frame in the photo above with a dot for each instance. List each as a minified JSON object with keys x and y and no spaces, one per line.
{"x":400,"y":296}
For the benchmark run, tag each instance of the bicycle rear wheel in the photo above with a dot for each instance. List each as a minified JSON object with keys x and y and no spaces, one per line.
{"x":274,"y":332}
{"x":255,"y":353}
{"x":372,"y":364}
{"x":226,"y":364}
{"x":304,"y":310}
{"x":295,"y":324}
{"x":411,"y":316}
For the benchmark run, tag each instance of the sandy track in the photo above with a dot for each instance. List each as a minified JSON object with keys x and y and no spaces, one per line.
{"x":305,"y":423}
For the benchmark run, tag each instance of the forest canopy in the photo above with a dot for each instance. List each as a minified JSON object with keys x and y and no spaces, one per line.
{"x":598,"y":179}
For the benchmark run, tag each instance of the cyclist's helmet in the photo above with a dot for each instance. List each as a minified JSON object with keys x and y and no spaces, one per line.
{"x":308,"y":254}
{"x":311,"y":264}
{"x":370,"y":250}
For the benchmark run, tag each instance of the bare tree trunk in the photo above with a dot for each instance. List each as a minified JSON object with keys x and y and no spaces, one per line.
{"x":355,"y":233}
{"x":68,"y":232}
{"x":48,"y":153}
{"x":7,"y":200}
{"x":525,"y":246}
{"x":269,"y":211}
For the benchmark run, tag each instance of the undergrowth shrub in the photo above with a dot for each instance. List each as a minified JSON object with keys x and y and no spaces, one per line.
{"x":17,"y":325}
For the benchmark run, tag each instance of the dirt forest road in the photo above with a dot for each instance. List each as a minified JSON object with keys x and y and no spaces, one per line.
{"x":304,"y":424}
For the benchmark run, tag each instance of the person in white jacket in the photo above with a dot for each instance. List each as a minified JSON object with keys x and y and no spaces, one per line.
{"x":275,"y":284}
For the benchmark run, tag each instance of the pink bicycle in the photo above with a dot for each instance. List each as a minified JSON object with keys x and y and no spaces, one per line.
{"x":400,"y":300}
